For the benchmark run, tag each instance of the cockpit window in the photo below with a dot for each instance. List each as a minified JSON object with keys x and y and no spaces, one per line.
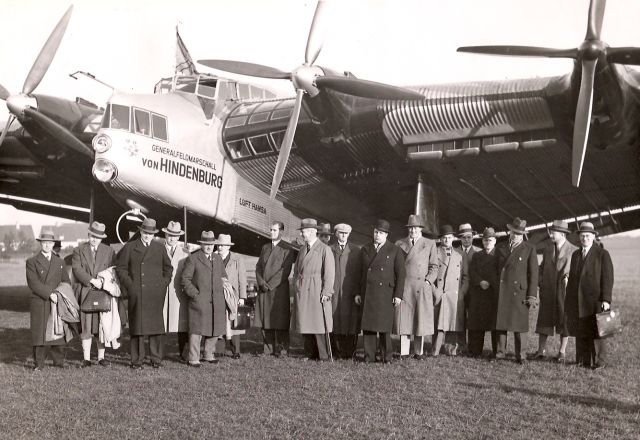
{"x":159,"y":127}
{"x":142,"y":123}
{"x":120,"y":117}
{"x":238,"y":149}
{"x":106,"y":117}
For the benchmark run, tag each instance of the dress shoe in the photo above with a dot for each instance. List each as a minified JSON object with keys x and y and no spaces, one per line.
{"x":276,"y":355}
{"x":212,"y":361}
{"x":85,"y":364}
{"x":62,"y":365}
{"x":136,"y":367}
{"x":522,"y":361}
{"x":156,"y":365}
{"x":37,"y":368}
{"x":499,"y":356}
{"x":561,"y":358}
{"x":537,"y":356}
{"x":598,"y":366}
{"x":194,"y":364}
{"x":104,"y":363}
{"x":235,"y":356}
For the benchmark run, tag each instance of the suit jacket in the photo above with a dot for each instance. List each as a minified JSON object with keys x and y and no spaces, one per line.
{"x":451,"y":285}
{"x":176,"y":305}
{"x":553,"y":270}
{"x":273,"y":310}
{"x":348,"y":270}
{"x":383,"y":277}
{"x":43,"y":276}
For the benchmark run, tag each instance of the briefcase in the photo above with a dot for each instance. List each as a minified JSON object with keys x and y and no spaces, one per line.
{"x":96,"y":301}
{"x":244,"y":318}
{"x":609,"y":323}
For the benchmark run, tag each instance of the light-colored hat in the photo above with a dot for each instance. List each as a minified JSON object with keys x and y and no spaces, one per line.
{"x":324,"y":229}
{"x":173,"y":228}
{"x":308,"y":223}
{"x":207,"y":237}
{"x":518,"y":226}
{"x":465,"y":228}
{"x":587,"y":227}
{"x":149,"y":226}
{"x":224,"y":240}
{"x":342,"y":227}
{"x":489,"y":233}
{"x":46,"y":235}
{"x":97,"y":230}
{"x":560,"y":226}
{"x":415,"y":220}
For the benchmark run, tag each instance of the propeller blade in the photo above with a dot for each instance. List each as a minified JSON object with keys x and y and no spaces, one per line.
{"x":520,"y":51}
{"x":583,"y":120}
{"x":316,"y":33}
{"x":285,"y":148}
{"x":594,"y":22}
{"x":248,"y":69}
{"x":366,"y":89}
{"x":48,"y":51}
{"x":624,"y":55}
{"x":4,"y":93}
{"x":57,"y":131}
{"x":6,"y":128}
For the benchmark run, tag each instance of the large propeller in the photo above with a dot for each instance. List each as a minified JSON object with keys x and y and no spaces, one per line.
{"x":310,"y":79}
{"x":591,"y":52}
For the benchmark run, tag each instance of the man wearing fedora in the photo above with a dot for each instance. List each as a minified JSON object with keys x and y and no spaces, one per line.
{"x":466,"y":249}
{"x":273,"y":310}
{"x":202,"y":282}
{"x":518,"y":269}
{"x":175,"y":312}
{"x":589,"y":291}
{"x":89,"y":259}
{"x":415,"y":315}
{"x":381,"y":290}
{"x":314,"y":274}
{"x":45,"y":271}
{"x":553,"y":278}
{"x":144,"y":268}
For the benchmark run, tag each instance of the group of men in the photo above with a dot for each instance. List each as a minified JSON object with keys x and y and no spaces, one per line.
{"x":412,"y":288}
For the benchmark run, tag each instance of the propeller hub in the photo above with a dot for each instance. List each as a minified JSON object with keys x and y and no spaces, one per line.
{"x":17,"y":103}
{"x":592,"y":49}
{"x":304,"y":77}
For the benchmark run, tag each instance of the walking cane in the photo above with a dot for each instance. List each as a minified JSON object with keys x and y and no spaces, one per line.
{"x":327,"y":339}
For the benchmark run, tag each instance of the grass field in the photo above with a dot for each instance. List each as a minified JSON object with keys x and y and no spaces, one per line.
{"x":262,"y":397}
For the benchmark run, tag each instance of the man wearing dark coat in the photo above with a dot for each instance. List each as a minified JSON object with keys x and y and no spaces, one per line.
{"x":381,"y":289}
{"x":202,"y":283}
{"x":45,"y":271}
{"x":589,"y":291}
{"x":145,"y":270}
{"x":273,"y":312}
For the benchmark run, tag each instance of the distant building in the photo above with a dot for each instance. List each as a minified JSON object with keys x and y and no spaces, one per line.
{"x":69,"y":234}
{"x":15,"y":237}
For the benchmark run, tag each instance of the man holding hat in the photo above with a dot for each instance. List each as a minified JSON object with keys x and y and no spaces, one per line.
{"x":45,"y":271}
{"x":518,"y":269}
{"x":175,"y":312}
{"x":314,"y":275}
{"x":324,"y":232}
{"x":589,"y":291}
{"x":553,"y":278}
{"x":381,"y":290}
{"x":145,"y":270}
{"x":89,"y":259}
{"x":414,"y":317}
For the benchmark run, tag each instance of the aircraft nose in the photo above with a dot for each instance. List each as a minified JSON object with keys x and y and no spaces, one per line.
{"x":17,"y":103}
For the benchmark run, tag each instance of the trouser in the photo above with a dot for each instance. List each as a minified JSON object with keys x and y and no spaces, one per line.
{"x":315,"y":346}
{"x":194,"y":348}
{"x":370,"y":340}
{"x":476,"y":342}
{"x":183,"y":344}
{"x":275,"y":340}
{"x":343,"y":346}
{"x":518,"y":338}
{"x":40,"y":353}
{"x":156,"y":348}
{"x":86,"y":348}
{"x":235,"y":344}
{"x":456,"y":339}
{"x":590,"y":350}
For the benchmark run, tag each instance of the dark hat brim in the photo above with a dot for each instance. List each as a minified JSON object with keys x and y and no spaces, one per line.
{"x":97,"y":235}
{"x":592,"y":231}
{"x":148,"y":231}
{"x":207,"y":242}
{"x":517,"y":231}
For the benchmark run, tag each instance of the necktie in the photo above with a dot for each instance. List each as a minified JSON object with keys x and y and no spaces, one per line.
{"x":93,"y":252}
{"x":308,"y":247}
{"x":341,"y":247}
{"x":413,"y":242}
{"x":584,"y":253}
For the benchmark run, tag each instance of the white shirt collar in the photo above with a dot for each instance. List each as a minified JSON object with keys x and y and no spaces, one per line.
{"x":585,"y":250}
{"x":311,"y":243}
{"x":275,"y":243}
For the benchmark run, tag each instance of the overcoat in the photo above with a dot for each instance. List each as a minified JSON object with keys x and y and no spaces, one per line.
{"x":481,"y":311}
{"x":590,"y":283}
{"x":348,"y":270}
{"x":84,"y":270}
{"x":467,"y":256}
{"x":43,"y":276}
{"x":273,"y":268}
{"x":314,"y":275}
{"x":176,"y":305}
{"x":518,"y":271}
{"x":383,"y":276}
{"x":237,"y":276}
{"x":415,"y":316}
{"x":553,"y":269}
{"x":202,"y":283}
{"x":452,"y":284}
{"x":145,"y":271}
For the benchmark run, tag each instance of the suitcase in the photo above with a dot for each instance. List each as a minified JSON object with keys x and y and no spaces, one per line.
{"x":244,"y":318}
{"x":609,"y":323}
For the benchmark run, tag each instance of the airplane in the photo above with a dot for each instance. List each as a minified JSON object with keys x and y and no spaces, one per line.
{"x":228,"y":155}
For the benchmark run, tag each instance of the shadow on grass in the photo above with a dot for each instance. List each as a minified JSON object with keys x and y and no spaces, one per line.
{"x":15,"y":298}
{"x":627,"y":408}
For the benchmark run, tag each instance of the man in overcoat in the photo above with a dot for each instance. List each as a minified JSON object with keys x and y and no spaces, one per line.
{"x":314,"y":274}
{"x":202,"y":283}
{"x":552,"y":278}
{"x":346,"y":314}
{"x":45,"y":271}
{"x":175,"y":312}
{"x":89,"y":259}
{"x":144,"y":268}
{"x":483,"y":293}
{"x":273,"y":312}
{"x":589,"y":291}
{"x":414,"y":316}
{"x":518,"y":269}
{"x":450,"y":290}
{"x":381,"y":290}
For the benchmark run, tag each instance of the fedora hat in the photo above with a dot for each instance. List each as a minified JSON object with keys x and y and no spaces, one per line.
{"x":517,"y":226}
{"x":149,"y":226}
{"x":560,"y":226}
{"x":414,"y":220}
{"x":587,"y":227}
{"x":224,"y":240}
{"x":308,"y":223}
{"x":324,"y":229}
{"x":207,"y":237}
{"x":342,"y":227}
{"x":383,"y":225}
{"x":446,"y":230}
{"x":97,"y":230}
{"x":465,"y":228}
{"x":46,"y":235}
{"x":173,"y":228}
{"x":489,"y":233}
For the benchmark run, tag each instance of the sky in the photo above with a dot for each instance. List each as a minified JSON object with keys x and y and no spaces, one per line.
{"x":130,"y":44}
